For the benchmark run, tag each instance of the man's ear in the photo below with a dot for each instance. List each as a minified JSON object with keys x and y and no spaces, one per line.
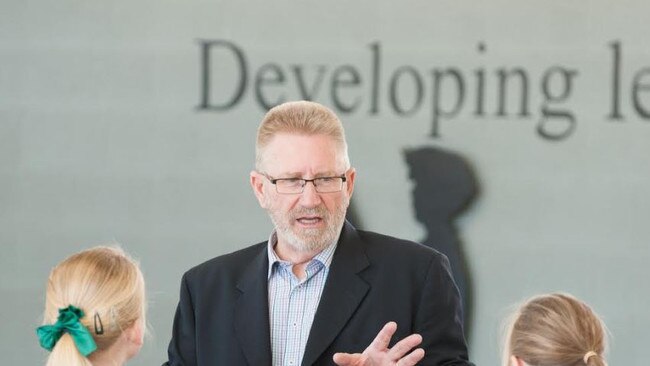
{"x":351,"y":175}
{"x":257,"y":183}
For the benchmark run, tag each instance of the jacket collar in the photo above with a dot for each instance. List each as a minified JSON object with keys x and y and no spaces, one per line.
{"x":251,"y":312}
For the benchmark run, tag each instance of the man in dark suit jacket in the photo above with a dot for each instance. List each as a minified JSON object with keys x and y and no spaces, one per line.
{"x":224,"y":316}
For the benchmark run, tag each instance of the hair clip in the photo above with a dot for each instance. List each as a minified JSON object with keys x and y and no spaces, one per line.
{"x":99,"y":330}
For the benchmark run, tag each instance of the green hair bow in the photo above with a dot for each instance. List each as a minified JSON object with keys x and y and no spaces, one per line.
{"x":67,"y":322}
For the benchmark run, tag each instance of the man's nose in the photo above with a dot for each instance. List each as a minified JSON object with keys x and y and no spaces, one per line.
{"x":309,"y":197}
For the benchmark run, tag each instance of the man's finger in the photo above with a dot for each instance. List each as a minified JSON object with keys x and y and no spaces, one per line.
{"x":348,"y":359}
{"x":404,"y":346}
{"x":382,"y":339}
{"x":412,"y":358}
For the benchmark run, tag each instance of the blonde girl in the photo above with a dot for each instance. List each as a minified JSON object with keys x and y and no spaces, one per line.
{"x":94,"y":310}
{"x":554,"y":330}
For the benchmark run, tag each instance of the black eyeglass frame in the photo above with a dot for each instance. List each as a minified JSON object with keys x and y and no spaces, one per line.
{"x":274,"y":181}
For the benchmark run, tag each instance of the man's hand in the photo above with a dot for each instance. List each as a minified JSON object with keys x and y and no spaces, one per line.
{"x":378,"y":353}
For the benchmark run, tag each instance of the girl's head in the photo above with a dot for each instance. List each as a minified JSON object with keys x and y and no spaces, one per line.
{"x":557,"y":330}
{"x":103,"y":288}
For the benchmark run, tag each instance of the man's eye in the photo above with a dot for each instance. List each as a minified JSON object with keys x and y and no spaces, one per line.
{"x":292,"y":182}
{"x":326,"y":180}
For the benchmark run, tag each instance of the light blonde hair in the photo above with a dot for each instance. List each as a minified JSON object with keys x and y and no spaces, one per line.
{"x":103,"y":282}
{"x":555,"y":330}
{"x":301,"y":118}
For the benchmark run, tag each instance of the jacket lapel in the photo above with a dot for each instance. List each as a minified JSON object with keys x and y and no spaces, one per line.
{"x":341,"y":296}
{"x":251,"y":314}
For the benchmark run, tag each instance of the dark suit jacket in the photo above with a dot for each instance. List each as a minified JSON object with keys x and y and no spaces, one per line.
{"x":223,"y":317}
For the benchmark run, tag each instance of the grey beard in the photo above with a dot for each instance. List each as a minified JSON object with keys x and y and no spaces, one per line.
{"x":311,"y":240}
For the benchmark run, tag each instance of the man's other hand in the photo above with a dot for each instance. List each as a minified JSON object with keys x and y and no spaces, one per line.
{"x":378,"y":353}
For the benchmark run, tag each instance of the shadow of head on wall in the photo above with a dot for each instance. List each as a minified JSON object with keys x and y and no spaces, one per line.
{"x":444,"y":184}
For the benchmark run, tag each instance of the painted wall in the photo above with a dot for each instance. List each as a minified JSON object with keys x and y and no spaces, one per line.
{"x":131,"y":121}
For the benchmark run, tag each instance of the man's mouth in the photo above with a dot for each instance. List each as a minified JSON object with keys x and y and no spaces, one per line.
{"x":310,"y":220}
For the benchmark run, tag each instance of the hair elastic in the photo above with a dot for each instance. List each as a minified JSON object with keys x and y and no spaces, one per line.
{"x":67,"y":322}
{"x":588,"y":355}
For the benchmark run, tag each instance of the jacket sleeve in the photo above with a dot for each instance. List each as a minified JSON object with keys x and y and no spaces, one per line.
{"x":182,"y":347}
{"x":439,"y":318}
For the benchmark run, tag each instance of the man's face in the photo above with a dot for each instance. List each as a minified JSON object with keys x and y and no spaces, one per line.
{"x":308,"y":221}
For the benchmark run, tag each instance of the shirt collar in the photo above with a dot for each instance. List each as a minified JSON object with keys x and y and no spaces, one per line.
{"x":324,"y":257}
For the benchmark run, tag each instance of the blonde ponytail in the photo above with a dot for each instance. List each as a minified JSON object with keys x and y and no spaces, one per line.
{"x":65,"y":352}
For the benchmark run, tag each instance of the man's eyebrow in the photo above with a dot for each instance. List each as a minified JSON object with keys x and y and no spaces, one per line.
{"x":298,"y":175}
{"x":326,"y":174}
{"x":290,"y":175}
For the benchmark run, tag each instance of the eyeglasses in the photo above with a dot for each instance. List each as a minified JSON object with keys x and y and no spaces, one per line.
{"x":297,"y":185}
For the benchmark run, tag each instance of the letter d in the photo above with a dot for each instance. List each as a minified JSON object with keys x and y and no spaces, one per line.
{"x":206,"y":47}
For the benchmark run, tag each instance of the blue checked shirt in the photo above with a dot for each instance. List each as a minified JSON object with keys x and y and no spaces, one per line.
{"x":293,"y":303}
